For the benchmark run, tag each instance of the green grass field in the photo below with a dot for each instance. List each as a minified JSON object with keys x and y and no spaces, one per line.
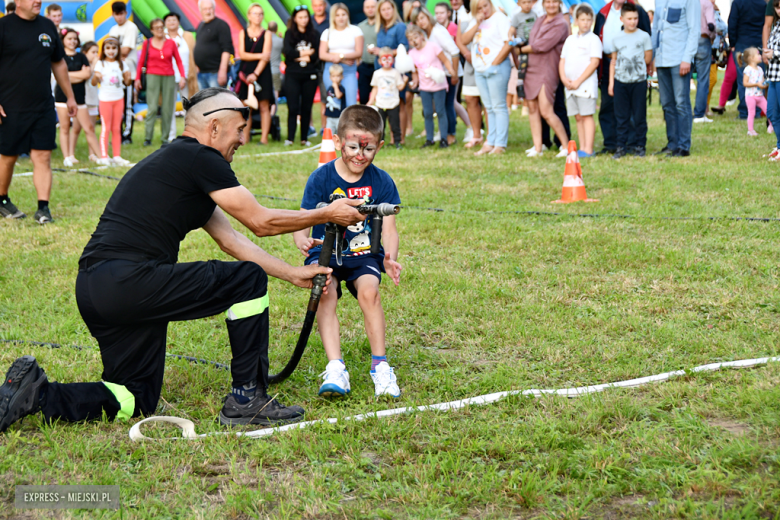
{"x":489,"y":300}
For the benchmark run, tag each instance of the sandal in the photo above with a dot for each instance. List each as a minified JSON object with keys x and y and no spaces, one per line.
{"x":485,"y":150}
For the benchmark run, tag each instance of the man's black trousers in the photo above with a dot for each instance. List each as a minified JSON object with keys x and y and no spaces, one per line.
{"x":127,"y":307}
{"x":630,"y":103}
{"x":607,"y":119}
{"x":365,"y":74}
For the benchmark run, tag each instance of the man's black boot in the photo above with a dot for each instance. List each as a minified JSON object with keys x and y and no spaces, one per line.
{"x":20,"y":391}
{"x":261,"y":410}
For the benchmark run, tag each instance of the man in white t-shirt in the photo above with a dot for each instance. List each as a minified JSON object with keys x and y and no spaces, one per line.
{"x":127,"y":33}
{"x":580,"y":58}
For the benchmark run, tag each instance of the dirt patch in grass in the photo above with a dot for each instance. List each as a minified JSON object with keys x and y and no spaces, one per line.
{"x":733,"y":427}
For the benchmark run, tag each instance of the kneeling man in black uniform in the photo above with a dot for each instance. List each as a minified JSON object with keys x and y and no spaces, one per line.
{"x":130,"y":286}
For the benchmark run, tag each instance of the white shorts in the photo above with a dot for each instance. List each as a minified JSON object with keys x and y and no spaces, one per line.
{"x":93,"y":110}
{"x":580,"y":106}
{"x":332,"y":123}
{"x":65,"y":105}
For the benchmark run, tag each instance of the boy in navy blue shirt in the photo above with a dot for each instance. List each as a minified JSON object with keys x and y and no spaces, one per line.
{"x":336,"y":101}
{"x":359,"y":138}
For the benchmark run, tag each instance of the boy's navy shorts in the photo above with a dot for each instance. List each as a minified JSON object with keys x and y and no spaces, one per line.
{"x":352,"y":268}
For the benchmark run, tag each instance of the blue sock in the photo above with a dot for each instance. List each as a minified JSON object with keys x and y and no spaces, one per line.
{"x":375,"y":360}
{"x":245,"y":393}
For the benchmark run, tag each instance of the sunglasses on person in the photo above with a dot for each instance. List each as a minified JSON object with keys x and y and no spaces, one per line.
{"x":244,"y":111}
{"x":299,"y":8}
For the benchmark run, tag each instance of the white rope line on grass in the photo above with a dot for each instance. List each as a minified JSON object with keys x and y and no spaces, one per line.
{"x":188,"y":427}
{"x":312,"y":148}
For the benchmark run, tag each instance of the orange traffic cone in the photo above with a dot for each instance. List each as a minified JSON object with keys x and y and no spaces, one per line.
{"x":328,"y":149}
{"x":573,"y":185}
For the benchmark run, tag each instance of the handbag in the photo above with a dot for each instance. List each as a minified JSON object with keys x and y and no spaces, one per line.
{"x":143,"y":69}
{"x":241,"y":76}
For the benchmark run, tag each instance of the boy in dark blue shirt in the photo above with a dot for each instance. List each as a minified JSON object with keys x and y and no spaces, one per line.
{"x":335,"y":101}
{"x":359,"y":138}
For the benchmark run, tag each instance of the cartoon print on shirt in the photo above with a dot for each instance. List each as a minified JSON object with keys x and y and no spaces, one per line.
{"x":361,"y":242}
{"x":333,"y":103}
{"x":358,"y":236}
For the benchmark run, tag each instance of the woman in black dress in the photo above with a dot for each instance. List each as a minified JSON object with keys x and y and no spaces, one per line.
{"x":254,"y":50}
{"x":300,"y":49}
{"x":79,"y":71}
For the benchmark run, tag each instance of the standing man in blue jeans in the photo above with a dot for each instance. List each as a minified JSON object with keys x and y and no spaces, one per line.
{"x":676,"y":30}
{"x":746,"y":24}
{"x":213,"y":47}
{"x":704,"y":61}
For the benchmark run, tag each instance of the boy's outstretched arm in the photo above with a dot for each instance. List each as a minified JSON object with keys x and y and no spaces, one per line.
{"x":391,"y":241}
{"x":303,"y":241}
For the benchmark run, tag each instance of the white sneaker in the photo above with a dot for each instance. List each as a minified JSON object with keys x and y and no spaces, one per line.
{"x":732,"y":102}
{"x":105,"y":161}
{"x":288,"y":143}
{"x":563,"y":152}
{"x":703,"y":119}
{"x":469,"y":135}
{"x":437,"y":137}
{"x":384,"y":381}
{"x":67,"y":162}
{"x":335,"y":380}
{"x":534,"y":153}
{"x":532,"y":149}
{"x":118,"y":161}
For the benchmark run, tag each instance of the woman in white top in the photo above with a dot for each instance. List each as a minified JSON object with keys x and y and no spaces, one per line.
{"x":185,"y":43}
{"x":342,"y":43}
{"x":439,"y":34}
{"x":489,"y":30}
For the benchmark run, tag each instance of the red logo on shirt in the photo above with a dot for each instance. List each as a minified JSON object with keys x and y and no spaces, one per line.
{"x":359,"y":193}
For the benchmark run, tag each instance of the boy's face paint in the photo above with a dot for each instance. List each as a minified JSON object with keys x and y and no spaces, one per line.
{"x":386,"y":60}
{"x":358,"y":150}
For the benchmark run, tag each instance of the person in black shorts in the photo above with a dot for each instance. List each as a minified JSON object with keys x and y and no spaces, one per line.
{"x":79,"y":72}
{"x":130,"y":286}
{"x":30,"y":50}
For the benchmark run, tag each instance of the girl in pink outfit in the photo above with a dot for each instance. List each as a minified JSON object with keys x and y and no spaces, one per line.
{"x":111,"y":76}
{"x":754,"y":84}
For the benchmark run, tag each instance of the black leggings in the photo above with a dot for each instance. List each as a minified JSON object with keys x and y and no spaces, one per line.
{"x":127,"y":307}
{"x":300,"y":90}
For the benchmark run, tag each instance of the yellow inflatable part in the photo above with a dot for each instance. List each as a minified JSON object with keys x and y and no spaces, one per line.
{"x":140,"y":116}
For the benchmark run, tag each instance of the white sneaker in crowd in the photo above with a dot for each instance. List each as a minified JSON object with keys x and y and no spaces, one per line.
{"x":118,"y":161}
{"x":335,"y":380}
{"x":732,"y":102}
{"x":105,"y":161}
{"x":384,"y":381}
{"x":469,"y":135}
{"x":437,"y":136}
{"x":563,"y":152}
{"x":532,"y":149}
{"x":67,"y":162}
{"x":288,"y":143}
{"x":534,"y":153}
{"x":703,"y":119}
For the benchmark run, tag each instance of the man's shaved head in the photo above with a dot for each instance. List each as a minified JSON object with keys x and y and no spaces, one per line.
{"x":223,"y":130}
{"x":206,"y":100}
